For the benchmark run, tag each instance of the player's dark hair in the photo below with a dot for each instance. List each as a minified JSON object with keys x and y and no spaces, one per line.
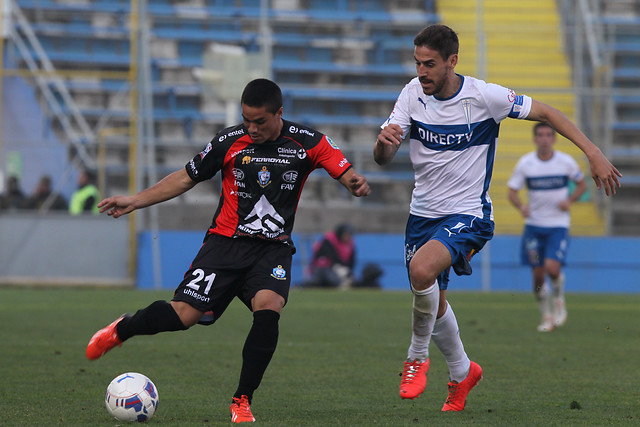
{"x":262,"y":93}
{"x":541,"y":125}
{"x":440,"y":38}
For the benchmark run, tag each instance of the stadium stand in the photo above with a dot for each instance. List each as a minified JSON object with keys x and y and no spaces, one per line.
{"x":621,"y":22}
{"x":341,"y":64}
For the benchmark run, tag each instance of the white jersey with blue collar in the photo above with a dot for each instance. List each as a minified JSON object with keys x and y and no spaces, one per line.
{"x":453,"y":144}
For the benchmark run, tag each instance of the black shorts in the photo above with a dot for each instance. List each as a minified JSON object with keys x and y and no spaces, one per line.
{"x":225,"y":268}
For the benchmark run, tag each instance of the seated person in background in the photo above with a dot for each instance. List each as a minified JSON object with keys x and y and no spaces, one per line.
{"x":13,"y":198}
{"x":371,"y":274}
{"x":85,"y":199}
{"x":333,"y":259}
{"x":43,"y":193}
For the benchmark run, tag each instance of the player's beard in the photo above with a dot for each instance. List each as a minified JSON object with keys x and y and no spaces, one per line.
{"x":437,"y":87}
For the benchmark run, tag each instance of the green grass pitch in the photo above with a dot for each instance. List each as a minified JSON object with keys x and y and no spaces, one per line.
{"x":338,"y":361}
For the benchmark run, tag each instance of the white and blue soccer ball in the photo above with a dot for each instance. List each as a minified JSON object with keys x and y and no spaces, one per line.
{"x":131,"y":397}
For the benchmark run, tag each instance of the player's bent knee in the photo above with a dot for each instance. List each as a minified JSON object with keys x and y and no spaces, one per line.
{"x":267,"y":300}
{"x":421,"y":278}
{"x":188,"y":315}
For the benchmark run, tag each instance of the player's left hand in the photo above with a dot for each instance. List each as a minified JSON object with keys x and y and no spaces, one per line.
{"x":358,"y":185}
{"x":604,"y":174}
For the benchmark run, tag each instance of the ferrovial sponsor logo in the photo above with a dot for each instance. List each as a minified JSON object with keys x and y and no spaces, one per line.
{"x":238,"y":174}
{"x":240,"y":194}
{"x":270,"y":160}
{"x":195,"y":295}
{"x":290,"y":176}
{"x":302,"y":153}
{"x":246,"y":160}
{"x":279,"y":273}
{"x":343,"y":162}
{"x":205,"y":151}
{"x":192,"y":166}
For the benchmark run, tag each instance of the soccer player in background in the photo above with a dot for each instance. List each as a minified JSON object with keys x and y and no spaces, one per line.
{"x":546,"y":173}
{"x":247,"y":251}
{"x":452,"y":122}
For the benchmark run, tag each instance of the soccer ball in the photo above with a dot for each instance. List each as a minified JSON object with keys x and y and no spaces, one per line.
{"x":131,"y":397}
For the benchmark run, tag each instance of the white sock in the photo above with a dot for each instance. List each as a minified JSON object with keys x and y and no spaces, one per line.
{"x":544,"y":303}
{"x":425,"y":309}
{"x":557,"y":286}
{"x":446,"y":335}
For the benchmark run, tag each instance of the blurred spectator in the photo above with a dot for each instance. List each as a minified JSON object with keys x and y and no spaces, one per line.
{"x":13,"y":198}
{"x":85,"y":199}
{"x":333,"y":259}
{"x":42,"y":194}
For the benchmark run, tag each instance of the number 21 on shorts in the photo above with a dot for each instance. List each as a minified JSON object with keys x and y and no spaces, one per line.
{"x":198,"y":278}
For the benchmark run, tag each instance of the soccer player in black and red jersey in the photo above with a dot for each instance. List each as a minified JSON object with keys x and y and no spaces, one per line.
{"x":247,"y":250}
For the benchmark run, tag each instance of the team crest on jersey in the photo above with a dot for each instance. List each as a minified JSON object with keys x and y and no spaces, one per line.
{"x":466,"y":106}
{"x":264,"y":177}
{"x":331,"y":143}
{"x":279,"y":273}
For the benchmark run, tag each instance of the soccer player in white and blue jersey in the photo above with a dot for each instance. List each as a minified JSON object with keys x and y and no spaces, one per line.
{"x":546,"y":174}
{"x":452,"y":122}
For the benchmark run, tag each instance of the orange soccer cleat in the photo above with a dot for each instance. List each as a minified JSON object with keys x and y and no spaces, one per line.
{"x":104,"y":340}
{"x":414,"y":378}
{"x":241,"y":410}
{"x":458,"y":391}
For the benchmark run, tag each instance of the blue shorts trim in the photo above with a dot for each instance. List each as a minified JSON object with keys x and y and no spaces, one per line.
{"x":463,"y":235}
{"x":540,"y":243}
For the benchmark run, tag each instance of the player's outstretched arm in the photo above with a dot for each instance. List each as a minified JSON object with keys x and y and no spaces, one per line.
{"x":602,"y":171}
{"x":167,"y":188}
{"x":355,"y":183}
{"x":387,"y":144}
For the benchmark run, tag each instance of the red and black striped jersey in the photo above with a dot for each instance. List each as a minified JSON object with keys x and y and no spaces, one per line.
{"x":261,"y":183}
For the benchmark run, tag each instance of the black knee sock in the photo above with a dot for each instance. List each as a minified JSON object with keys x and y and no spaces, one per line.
{"x":157,"y":317}
{"x":258,"y":348}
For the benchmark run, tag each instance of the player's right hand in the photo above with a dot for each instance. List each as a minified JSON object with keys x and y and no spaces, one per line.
{"x":391,"y":135}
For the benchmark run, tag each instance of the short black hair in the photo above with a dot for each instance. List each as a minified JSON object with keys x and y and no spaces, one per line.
{"x":541,"y":125}
{"x":262,"y":93}
{"x":439,"y":38}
